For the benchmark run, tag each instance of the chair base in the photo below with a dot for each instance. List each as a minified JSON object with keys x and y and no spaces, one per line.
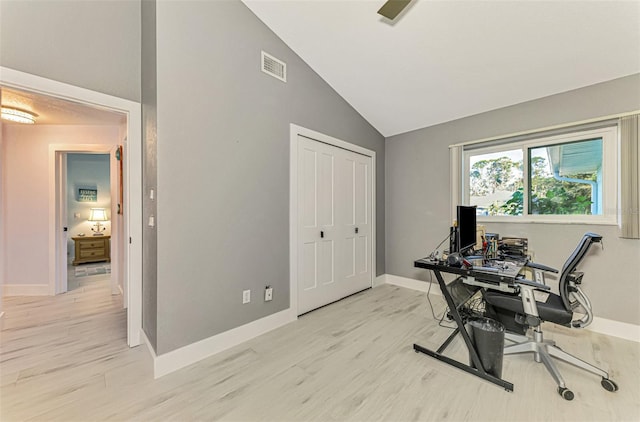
{"x":543,"y":350}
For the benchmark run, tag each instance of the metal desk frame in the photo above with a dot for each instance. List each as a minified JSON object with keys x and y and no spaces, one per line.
{"x":496,"y":280}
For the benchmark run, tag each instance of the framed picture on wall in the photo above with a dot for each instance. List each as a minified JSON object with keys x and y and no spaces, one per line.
{"x":87,"y":195}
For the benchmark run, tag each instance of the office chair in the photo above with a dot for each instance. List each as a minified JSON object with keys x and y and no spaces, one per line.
{"x":521,"y":311}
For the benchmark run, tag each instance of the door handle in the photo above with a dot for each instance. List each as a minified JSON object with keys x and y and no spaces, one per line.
{"x":356,"y":230}
{"x":321,"y":234}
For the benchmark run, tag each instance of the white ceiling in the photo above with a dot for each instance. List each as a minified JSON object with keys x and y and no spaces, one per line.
{"x":56,"y":111}
{"x":443,"y":60}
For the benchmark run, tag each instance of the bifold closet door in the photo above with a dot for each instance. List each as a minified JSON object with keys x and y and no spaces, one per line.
{"x":334,"y":223}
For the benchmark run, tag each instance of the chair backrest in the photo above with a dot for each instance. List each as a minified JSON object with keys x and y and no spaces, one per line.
{"x":570,"y":265}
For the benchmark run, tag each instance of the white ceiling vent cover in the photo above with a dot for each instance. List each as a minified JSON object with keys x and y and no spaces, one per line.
{"x":274,"y":67}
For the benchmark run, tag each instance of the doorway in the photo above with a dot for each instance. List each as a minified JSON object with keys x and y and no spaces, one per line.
{"x":131,"y":239}
{"x":89,"y":197}
{"x":332,"y":219}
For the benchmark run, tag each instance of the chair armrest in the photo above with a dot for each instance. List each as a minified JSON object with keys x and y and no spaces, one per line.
{"x":540,"y":267}
{"x":531,"y":283}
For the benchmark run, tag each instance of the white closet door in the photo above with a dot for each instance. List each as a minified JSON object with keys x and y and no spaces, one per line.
{"x":334,"y":223}
{"x":354,"y":219}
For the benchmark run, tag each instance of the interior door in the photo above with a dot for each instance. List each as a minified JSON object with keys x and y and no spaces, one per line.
{"x":61,"y":229}
{"x":334,"y":223}
{"x":354,"y":193}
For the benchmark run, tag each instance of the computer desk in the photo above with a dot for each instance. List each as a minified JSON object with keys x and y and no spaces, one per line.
{"x":474,"y":279}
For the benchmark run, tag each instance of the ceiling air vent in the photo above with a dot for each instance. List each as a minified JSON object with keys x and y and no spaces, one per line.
{"x":274,"y":67}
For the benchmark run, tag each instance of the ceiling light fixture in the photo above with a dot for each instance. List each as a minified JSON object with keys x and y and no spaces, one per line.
{"x":19,"y":116}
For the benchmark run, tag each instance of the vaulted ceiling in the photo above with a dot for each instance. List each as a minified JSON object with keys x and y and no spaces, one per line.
{"x":443,"y":60}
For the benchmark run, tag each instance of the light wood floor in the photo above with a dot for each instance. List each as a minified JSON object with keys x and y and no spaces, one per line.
{"x":65,"y":358}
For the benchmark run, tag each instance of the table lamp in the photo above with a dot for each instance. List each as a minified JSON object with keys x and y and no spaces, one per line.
{"x":97,"y":215}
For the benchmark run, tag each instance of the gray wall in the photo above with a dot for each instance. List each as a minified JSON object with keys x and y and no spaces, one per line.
{"x":417,"y":191}
{"x":92,"y":44}
{"x":223,"y":166}
{"x":149,"y":172}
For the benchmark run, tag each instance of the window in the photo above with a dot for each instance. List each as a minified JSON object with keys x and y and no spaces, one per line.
{"x":566,"y":178}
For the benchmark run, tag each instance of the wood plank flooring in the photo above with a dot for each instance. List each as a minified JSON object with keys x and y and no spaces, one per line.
{"x":65,"y":358}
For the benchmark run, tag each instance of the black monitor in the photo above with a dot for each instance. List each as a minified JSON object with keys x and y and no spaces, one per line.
{"x":466,"y":230}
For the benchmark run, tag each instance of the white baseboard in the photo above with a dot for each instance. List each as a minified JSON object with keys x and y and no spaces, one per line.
{"x":413,"y":284}
{"x":379,"y":280}
{"x":599,"y":325}
{"x":187,"y":355}
{"x":25,"y":290}
{"x":615,"y":328}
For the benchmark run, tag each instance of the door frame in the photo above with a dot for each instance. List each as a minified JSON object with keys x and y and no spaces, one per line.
{"x":296,"y":130}
{"x":58,"y":240}
{"x":131,"y":184}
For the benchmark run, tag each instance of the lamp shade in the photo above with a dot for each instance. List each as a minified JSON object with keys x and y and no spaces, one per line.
{"x":98,"y":214}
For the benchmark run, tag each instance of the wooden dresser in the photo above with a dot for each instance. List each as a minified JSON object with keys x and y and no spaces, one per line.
{"x":92,"y":249}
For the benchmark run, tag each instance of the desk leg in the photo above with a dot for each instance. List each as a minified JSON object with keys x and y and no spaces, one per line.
{"x":449,"y":339}
{"x":479,"y":369}
{"x":473,"y":371}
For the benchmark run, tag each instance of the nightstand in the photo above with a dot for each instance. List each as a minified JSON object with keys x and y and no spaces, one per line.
{"x":92,"y":249}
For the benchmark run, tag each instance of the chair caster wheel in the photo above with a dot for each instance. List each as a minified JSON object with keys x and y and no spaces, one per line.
{"x":609,"y":385}
{"x":565,"y":393}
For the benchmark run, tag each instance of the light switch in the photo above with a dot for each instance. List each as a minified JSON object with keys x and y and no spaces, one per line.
{"x":76,"y":215}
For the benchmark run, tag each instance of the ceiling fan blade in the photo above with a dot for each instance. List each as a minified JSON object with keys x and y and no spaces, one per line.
{"x":392,"y":8}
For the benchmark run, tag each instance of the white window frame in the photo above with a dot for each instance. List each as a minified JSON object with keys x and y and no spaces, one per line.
{"x":610,"y":196}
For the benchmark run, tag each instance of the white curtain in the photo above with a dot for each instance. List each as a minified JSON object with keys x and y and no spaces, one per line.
{"x":455,"y":178}
{"x":630,"y":177}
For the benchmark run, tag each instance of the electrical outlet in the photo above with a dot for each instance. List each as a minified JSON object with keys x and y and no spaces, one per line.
{"x":268,"y":293}
{"x":246,"y":296}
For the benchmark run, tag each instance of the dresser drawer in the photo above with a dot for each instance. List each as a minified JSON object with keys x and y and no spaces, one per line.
{"x":89,"y":253}
{"x":91,"y":244}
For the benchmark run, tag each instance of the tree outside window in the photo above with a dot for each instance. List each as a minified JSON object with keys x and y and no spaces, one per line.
{"x":562,"y":179}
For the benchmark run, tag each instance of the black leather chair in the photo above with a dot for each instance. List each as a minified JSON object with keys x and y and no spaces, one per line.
{"x":521,"y":311}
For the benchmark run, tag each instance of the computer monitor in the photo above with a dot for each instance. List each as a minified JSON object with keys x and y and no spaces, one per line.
{"x":466,"y":230}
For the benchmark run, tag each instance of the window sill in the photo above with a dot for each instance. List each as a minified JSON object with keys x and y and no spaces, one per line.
{"x":574,"y":220}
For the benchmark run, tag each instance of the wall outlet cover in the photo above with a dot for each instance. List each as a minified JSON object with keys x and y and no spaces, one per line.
{"x":246,"y":296}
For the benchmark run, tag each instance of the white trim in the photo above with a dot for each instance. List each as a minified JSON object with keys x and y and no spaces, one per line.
{"x":195,"y":352}
{"x":599,"y":325}
{"x":615,"y":328}
{"x":413,"y":284}
{"x":379,"y":280}
{"x":145,"y":341}
{"x":58,"y":251}
{"x":546,"y":129}
{"x":25,"y":290}
{"x":330,"y":140}
{"x":609,"y":200}
{"x":296,"y":130}
{"x":133,"y":175}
